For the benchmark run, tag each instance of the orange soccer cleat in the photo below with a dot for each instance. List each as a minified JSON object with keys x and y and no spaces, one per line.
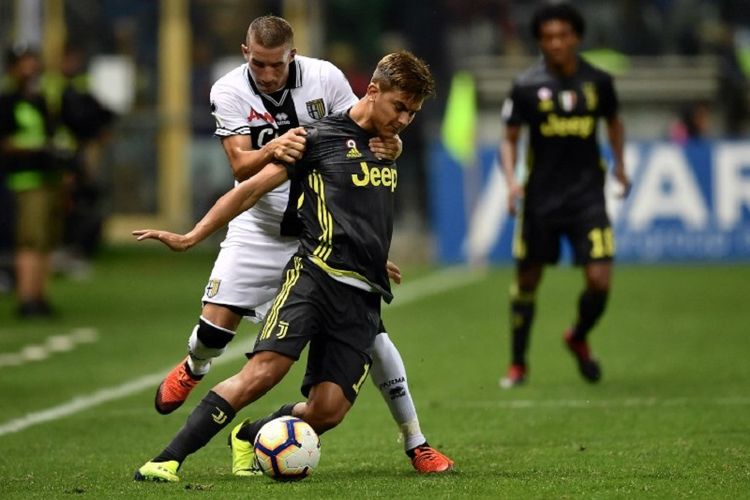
{"x":175,"y":388}
{"x":427,"y":459}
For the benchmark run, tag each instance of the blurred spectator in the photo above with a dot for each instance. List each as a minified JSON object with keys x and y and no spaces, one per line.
{"x":733,"y":42}
{"x":81,"y":122}
{"x":693,"y":123}
{"x":33,"y":176}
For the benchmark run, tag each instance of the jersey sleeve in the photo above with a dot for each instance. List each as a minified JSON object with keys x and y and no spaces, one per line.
{"x":228,"y":112}
{"x":512,"y":112}
{"x":609,"y":104}
{"x":339,"y":93}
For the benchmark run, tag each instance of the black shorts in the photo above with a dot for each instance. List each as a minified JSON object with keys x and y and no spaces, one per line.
{"x":538,"y":236}
{"x":339,"y":321}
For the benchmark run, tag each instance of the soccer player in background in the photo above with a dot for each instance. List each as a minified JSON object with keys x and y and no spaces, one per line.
{"x":258,"y":107}
{"x":332,"y":287}
{"x":560,"y":99}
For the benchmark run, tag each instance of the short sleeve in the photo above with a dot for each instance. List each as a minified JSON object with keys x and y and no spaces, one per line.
{"x":228,"y":112}
{"x":512,"y":111}
{"x":609,"y":104}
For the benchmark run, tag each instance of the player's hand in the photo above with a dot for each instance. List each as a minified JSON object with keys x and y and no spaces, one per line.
{"x":386,"y":148}
{"x":176,"y":242}
{"x":394,"y":273}
{"x":289,"y":147}
{"x":624,"y":181}
{"x":515,"y":195}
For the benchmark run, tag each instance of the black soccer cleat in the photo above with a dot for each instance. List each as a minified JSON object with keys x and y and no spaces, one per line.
{"x":588,"y":367}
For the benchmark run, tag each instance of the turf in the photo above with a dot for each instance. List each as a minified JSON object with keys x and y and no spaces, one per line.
{"x":669,"y":419}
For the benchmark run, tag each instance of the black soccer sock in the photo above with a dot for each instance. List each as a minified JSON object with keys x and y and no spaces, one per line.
{"x":250,"y":430}
{"x":591,"y":305}
{"x":211,"y":415}
{"x":522,"y":306}
{"x":411,"y":452}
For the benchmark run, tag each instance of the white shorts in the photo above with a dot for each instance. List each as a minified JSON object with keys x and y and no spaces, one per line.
{"x":247,"y":271}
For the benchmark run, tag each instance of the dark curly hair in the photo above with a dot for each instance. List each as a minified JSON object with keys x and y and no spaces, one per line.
{"x":558,"y":12}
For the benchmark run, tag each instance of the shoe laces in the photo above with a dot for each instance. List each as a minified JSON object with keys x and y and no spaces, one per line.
{"x":428,"y":454}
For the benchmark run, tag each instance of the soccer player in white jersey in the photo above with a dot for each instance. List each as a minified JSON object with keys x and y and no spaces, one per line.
{"x":259,"y":107}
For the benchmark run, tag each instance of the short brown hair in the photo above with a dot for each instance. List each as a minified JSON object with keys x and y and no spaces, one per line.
{"x":406,"y":72}
{"x":270,"y":32}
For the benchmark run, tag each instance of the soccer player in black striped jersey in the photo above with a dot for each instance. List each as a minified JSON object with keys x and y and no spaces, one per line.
{"x":259,"y":107}
{"x":560,"y":99}
{"x":332,"y":288}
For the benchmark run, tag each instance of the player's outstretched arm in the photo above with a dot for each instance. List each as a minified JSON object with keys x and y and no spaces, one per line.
{"x":242,"y":197}
{"x":246,"y":162}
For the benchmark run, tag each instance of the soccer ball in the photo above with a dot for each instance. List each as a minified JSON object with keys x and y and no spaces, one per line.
{"x":287,"y":449}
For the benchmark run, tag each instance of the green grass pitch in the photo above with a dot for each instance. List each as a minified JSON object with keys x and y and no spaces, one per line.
{"x":670,"y":419}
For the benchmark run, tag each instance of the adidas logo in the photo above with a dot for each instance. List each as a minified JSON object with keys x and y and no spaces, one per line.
{"x":353,"y":151}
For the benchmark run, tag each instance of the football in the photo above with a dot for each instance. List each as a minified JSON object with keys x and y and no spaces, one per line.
{"x":287,"y":449}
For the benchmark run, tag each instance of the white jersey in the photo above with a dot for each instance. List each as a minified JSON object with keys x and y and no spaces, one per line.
{"x":260,"y":241}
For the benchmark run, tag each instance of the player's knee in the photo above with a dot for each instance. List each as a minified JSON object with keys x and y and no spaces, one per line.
{"x":597,"y":283}
{"x":325,"y":416}
{"x":208,"y":340}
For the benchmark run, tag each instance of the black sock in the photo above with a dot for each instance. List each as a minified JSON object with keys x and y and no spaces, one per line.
{"x":250,"y":430}
{"x":410,"y":452}
{"x":211,"y":415}
{"x":522,"y":308}
{"x":591,"y":305}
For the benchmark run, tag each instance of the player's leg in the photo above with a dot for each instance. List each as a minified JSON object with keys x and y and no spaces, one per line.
{"x":591,"y":305}
{"x":244,"y":277}
{"x":215,"y":329}
{"x":591,"y":238}
{"x":389,"y":376}
{"x":536,"y":242}
{"x":522,"y":310}
{"x":217,"y":409}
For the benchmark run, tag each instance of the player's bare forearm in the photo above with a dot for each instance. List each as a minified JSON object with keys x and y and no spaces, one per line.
{"x":246,"y":162}
{"x":616,"y":136}
{"x":242,"y":197}
{"x":508,"y":159}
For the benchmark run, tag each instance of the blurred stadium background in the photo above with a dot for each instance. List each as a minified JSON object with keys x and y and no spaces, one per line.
{"x":682,"y":70}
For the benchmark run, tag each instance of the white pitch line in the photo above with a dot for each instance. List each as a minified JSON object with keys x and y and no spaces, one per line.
{"x":431,"y":284}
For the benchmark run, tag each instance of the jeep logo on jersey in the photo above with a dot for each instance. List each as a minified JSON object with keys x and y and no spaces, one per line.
{"x":316,"y":109}
{"x":376,"y":176}
{"x":212,"y":288}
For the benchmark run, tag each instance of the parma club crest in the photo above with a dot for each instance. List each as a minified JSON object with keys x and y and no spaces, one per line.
{"x":316,"y":109}
{"x":212,"y":288}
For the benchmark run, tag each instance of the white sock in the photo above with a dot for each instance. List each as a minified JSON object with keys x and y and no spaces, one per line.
{"x":199,"y":355}
{"x":389,"y":375}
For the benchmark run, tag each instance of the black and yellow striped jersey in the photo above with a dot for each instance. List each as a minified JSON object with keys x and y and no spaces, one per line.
{"x":346,"y":209}
{"x":564,"y":163}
